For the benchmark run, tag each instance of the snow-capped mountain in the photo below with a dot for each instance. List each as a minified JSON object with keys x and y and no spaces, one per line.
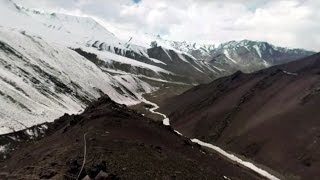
{"x":197,"y":50}
{"x":262,"y":115}
{"x":40,"y":81}
{"x":249,"y":56}
{"x":245,"y":55}
{"x":88,"y":35}
{"x":54,"y":63}
{"x":42,"y":78}
{"x":67,"y":30}
{"x":172,"y":65}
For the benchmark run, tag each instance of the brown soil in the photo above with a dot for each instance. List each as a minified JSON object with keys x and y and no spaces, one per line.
{"x":120,"y":142}
{"x":270,"y":116}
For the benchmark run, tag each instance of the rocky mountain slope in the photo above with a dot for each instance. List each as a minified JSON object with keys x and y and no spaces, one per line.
{"x":48,"y":67}
{"x":119,"y":144}
{"x":41,"y":81}
{"x":55,"y":63}
{"x":86,"y":34}
{"x":250,"y":56}
{"x":245,"y":55}
{"x":270,"y":116}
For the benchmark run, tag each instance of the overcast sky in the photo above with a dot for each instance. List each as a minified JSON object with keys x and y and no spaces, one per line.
{"x":291,"y":23}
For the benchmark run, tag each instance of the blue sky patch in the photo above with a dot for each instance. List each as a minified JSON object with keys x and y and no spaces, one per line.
{"x":136,"y":1}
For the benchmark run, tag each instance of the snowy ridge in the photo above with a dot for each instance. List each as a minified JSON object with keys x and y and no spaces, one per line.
{"x":183,"y":47}
{"x":53,"y":27}
{"x":109,"y":57}
{"x":249,"y":56}
{"x":242,"y":55}
{"x":262,"y":50}
{"x":229,"y":57}
{"x":40,"y":82}
{"x":245,"y":55}
{"x":157,"y":61}
{"x":258,"y":50}
{"x":72,"y":31}
{"x":119,"y":48}
{"x":67,"y":30}
{"x":41,"y":77}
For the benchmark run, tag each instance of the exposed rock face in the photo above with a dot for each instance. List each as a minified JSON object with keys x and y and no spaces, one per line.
{"x":198,"y":71}
{"x":204,"y":63}
{"x":270,"y":116}
{"x":245,"y":55}
{"x":250,"y":56}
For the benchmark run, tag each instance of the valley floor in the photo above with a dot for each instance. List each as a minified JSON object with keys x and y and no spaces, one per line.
{"x":165,"y":91}
{"x":228,"y":156}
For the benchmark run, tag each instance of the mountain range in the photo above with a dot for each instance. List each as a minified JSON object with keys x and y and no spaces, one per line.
{"x":269,"y":116}
{"x":55,"y":63}
{"x":80,"y":102}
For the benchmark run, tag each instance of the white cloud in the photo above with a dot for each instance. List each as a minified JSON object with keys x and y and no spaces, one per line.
{"x":293,"y":23}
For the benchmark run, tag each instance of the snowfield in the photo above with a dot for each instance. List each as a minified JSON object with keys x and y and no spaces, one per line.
{"x":41,"y":81}
{"x":42,"y":78}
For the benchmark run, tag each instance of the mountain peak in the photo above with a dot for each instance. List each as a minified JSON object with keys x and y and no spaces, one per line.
{"x":9,"y":4}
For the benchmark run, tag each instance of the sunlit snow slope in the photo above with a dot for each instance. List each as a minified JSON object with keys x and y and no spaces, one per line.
{"x":40,"y":81}
{"x":85,"y":33}
{"x":42,"y":77}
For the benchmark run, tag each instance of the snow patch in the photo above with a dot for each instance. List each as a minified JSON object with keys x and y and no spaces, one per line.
{"x":182,"y":57}
{"x":237,"y":160}
{"x":3,"y":149}
{"x":178,"y":132}
{"x":30,"y":132}
{"x":257,"y":50}
{"x":157,"y":61}
{"x":290,"y":73}
{"x":226,"y":53}
{"x":226,"y":178}
{"x":165,"y":50}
